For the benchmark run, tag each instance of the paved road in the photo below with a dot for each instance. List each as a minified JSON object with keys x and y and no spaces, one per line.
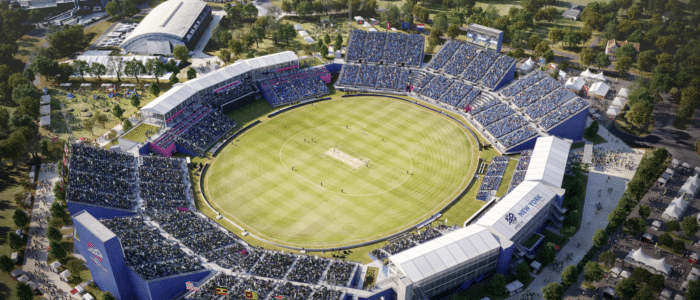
{"x":680,"y":143}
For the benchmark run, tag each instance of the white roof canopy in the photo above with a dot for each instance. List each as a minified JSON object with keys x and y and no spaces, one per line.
{"x":613,"y":111}
{"x":527,"y":65}
{"x":623,"y":93}
{"x":659,"y":265}
{"x":588,"y":74}
{"x":599,"y":88}
{"x":523,"y":203}
{"x":600,"y":76}
{"x":575,"y":83}
{"x":548,"y":161}
{"x":691,"y":185}
{"x":675,"y":209}
{"x":444,"y":252}
{"x":619,"y":102}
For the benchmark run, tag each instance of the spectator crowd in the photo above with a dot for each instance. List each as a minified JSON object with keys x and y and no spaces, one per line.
{"x":391,"y":48}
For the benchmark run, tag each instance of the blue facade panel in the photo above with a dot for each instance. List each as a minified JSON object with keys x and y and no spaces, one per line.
{"x":506,"y":79}
{"x":571,"y":128}
{"x":139,"y":285}
{"x":166,"y":289}
{"x":105,"y":260}
{"x":334,"y":68}
{"x":98,"y":212}
{"x":144,"y":150}
{"x":504,"y":259}
{"x":184,"y":150}
{"x":387,"y":294}
{"x":524,"y":146}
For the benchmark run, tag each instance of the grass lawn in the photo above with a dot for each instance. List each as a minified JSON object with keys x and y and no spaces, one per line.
{"x":680,"y":237}
{"x":330,"y":192}
{"x":370,"y":277}
{"x":138,"y":133}
{"x":577,"y":212}
{"x":578,"y":145}
{"x":9,"y":186}
{"x":531,"y":240}
{"x":98,"y":29}
{"x":27,"y":45}
{"x":627,"y":127}
{"x":505,"y":182}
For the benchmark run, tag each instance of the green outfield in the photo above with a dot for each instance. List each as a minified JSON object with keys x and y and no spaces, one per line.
{"x":341,"y":171}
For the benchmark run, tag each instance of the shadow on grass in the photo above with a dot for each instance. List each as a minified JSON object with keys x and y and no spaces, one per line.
{"x":5,"y":291}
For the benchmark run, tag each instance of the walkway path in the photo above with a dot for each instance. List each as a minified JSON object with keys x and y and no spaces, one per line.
{"x":35,"y":263}
{"x":592,"y":221}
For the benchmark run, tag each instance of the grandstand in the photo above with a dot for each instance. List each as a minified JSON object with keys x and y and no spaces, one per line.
{"x":389,"y":48}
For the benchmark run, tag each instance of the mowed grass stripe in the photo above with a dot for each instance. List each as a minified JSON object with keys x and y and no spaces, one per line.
{"x":250,"y":183}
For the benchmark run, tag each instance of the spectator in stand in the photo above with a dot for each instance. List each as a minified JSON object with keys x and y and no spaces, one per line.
{"x":522,"y":84}
{"x":444,"y":55}
{"x":494,"y":114}
{"x":565,"y":111}
{"x":461,"y":59}
{"x":499,"y":68}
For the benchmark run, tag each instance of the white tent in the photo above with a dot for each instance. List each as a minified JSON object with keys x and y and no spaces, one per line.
{"x":64,"y":275}
{"x":298,"y":27}
{"x":372,"y":30}
{"x":23,"y":278}
{"x":599,"y":89}
{"x":562,"y":74}
{"x":691,"y":185}
{"x":669,"y":170}
{"x":54,"y":266}
{"x":526,"y":66}
{"x":600,"y":76}
{"x":309,"y":39}
{"x":366,"y":25}
{"x":45,"y":99}
{"x":514,"y":287}
{"x":575,"y":83}
{"x":656,"y":224}
{"x":675,"y":209}
{"x":45,"y":110}
{"x":675,"y":162}
{"x":657,"y":265}
{"x":615,"y":271}
{"x":610,"y":291}
{"x":303,"y":33}
{"x":623,"y":93}
{"x":45,"y":121}
{"x":666,"y":294}
{"x":686,"y":165}
{"x":625,"y":274}
{"x":619,"y":102}
{"x":613,"y":111}
{"x":662,"y":181}
{"x":588,"y":74}
{"x":697,"y":169}
{"x":88,"y":297}
{"x":678,"y":297}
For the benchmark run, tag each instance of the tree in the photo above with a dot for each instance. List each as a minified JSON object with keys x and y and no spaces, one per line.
{"x":117,"y":111}
{"x":592,"y":271}
{"x":611,"y":30}
{"x":666,"y":239}
{"x":24,"y":291}
{"x":639,"y":114}
{"x":323,"y":51}
{"x":693,"y":290}
{"x":98,"y":70}
{"x":586,"y":33}
{"x":174,"y":79}
{"x":549,"y":57}
{"x":626,"y":288}
{"x":623,"y":64}
{"x":14,"y":146}
{"x":108,"y":296}
{"x":556,"y":35}
{"x":116,"y":66}
{"x":645,"y":293}
{"x":434,"y":37}
{"x":225,"y":55}
{"x":181,"y":53}
{"x":570,"y":275}
{"x":126,"y":125}
{"x":89,"y":124}
{"x":640,"y":275}
{"x":534,"y":40}
{"x":636,"y":225}
{"x":236,"y":47}
{"x":673,"y":226}
{"x":6,"y":264}
{"x":602,"y":61}
{"x":592,"y":130}
{"x":666,"y":42}
{"x":553,"y":291}
{"x":453,"y":31}
{"x":542,"y":47}
{"x":338,"y":41}
{"x":304,"y":8}
{"x":59,"y":193}
{"x":600,"y":238}
{"x":53,"y":234}
{"x":57,"y":211}
{"x":644,"y":211}
{"x":586,"y":56}
{"x":157,"y":68}
{"x":45,"y":66}
{"x":607,"y":258}
{"x":627,"y":50}
{"x":154,"y":89}
{"x":646,"y":60}
{"x":657,"y":282}
{"x":29,"y":73}
{"x":497,"y":285}
{"x":191,"y":74}
{"x":690,"y":226}
{"x":134,"y":68}
{"x":286,"y":6}
{"x":23,"y":91}
{"x":20,"y":218}
{"x":56,"y":251}
{"x":16,"y":242}
{"x":571,"y":37}
{"x":546,"y":254}
{"x":81,"y":67}
{"x":100,"y":119}
{"x":113,"y":9}
{"x":523,"y":272}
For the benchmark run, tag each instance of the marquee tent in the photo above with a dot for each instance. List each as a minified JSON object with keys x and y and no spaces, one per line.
{"x":527,"y":66}
{"x":599,"y":89}
{"x":675,"y":209}
{"x":588,"y":74}
{"x":657,"y":265}
{"x":613,"y":111}
{"x":45,"y":120}
{"x":623,"y":93}
{"x":691,"y":185}
{"x":619,"y":102}
{"x":45,"y":110}
{"x":575,"y":83}
{"x":303,"y":33}
{"x":45,"y":99}
{"x":600,"y":76}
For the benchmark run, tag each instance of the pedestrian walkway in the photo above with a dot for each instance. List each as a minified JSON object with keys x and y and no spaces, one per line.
{"x":595,"y":211}
{"x":35,"y":264}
